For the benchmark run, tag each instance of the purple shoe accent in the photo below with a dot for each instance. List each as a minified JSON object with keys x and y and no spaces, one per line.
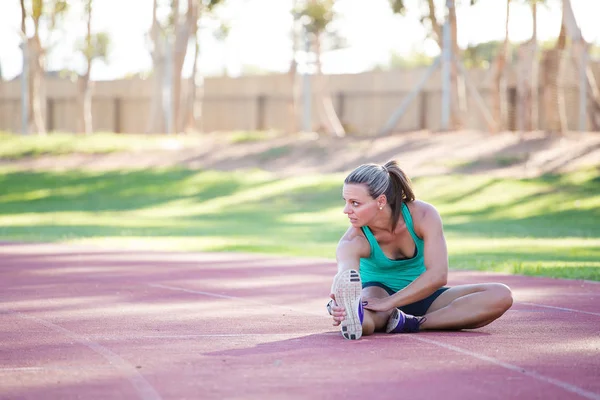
{"x":412,"y":323}
{"x":400,"y":322}
{"x":361,"y":312}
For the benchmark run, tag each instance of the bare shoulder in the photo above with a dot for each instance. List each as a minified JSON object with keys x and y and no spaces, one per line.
{"x":425,"y":217}
{"x":354,"y":242}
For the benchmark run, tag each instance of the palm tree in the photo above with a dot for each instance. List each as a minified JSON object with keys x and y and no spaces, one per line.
{"x":434,"y":25}
{"x":46,"y":13}
{"x":316,"y":16}
{"x":178,"y":29}
{"x":94,"y":47}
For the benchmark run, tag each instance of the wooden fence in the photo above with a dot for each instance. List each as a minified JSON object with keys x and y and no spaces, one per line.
{"x":363,"y":101}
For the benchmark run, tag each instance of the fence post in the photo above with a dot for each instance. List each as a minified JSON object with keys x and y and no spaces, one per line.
{"x":446,"y":67}
{"x":117,"y":113}
{"x":260,"y":112}
{"x":341,"y":105}
{"x":25,"y":89}
{"x":50,"y":114}
{"x":423,"y":97}
{"x":583,"y":83}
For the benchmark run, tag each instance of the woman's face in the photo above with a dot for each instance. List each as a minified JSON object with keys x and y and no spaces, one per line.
{"x":360,"y":206}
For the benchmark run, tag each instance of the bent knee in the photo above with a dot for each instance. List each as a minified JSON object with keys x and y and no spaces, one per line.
{"x":501,"y":296}
{"x":368,"y":327}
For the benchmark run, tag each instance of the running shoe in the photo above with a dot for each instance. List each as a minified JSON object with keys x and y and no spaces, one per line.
{"x":347,"y":289}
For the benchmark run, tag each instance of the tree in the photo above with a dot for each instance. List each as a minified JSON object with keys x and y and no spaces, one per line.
{"x":169,"y":42}
{"x":554,"y":63}
{"x":48,"y":13}
{"x":433,"y":26}
{"x":316,"y":17}
{"x":527,"y":84}
{"x":580,"y":50}
{"x":482,"y":55}
{"x":500,"y":85}
{"x":296,"y":39}
{"x":95,"y":46}
{"x":553,"y":99}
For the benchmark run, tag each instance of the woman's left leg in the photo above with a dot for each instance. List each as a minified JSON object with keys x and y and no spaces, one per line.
{"x":468,"y":306}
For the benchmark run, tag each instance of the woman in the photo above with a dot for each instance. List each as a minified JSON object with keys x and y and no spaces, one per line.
{"x":393,"y":264}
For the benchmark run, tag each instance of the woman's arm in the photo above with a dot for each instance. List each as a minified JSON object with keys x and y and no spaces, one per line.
{"x":351,"y":248}
{"x":429,"y":227}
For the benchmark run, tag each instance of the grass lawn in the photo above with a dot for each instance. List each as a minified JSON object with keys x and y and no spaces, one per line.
{"x":14,"y":146}
{"x":548,"y":226}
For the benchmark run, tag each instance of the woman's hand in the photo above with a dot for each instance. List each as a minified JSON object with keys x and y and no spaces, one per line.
{"x":338,"y":313}
{"x":375,"y":304}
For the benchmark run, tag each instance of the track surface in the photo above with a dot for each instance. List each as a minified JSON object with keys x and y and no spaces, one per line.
{"x":79,"y":322}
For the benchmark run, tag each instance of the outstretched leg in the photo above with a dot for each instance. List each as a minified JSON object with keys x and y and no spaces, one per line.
{"x":468,"y":306}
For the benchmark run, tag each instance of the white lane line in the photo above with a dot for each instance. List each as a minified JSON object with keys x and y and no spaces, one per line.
{"x":51,"y":368}
{"x":223,"y":296}
{"x":559,"y":308}
{"x":532,"y":374}
{"x":143,"y":388}
{"x":208,"y":335}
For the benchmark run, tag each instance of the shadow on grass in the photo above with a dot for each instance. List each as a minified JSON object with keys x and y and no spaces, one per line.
{"x":258,"y":213}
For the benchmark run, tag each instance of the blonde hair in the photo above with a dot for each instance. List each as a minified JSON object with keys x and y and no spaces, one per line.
{"x":388,"y":179}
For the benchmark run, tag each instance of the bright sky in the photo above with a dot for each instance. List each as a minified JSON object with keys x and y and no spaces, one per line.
{"x":260,"y":34}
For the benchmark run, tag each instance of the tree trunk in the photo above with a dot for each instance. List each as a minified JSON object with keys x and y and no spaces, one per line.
{"x":579,"y":48}
{"x":500,"y":100}
{"x":84,"y":101}
{"x":83,"y":81}
{"x":457,"y":82}
{"x":37,"y":88}
{"x":182,"y":38}
{"x":190,"y":109}
{"x":535,"y":73}
{"x":527,"y":86}
{"x":294,"y":82}
{"x":554,"y":103}
{"x":326,"y":109}
{"x":156,"y":122}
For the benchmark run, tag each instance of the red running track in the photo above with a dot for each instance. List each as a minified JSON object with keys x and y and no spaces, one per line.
{"x":79,"y":322}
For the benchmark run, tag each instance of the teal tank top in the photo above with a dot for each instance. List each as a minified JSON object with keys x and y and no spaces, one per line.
{"x":395,"y":274}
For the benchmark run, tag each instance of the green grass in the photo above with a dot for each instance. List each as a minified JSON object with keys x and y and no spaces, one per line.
{"x":250,"y":136}
{"x":546,"y":226}
{"x":13,"y":146}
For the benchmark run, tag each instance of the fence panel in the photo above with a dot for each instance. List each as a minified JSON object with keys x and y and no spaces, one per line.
{"x":364,"y":102}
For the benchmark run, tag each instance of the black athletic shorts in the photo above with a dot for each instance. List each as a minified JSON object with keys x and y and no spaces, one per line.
{"x":418,"y":308}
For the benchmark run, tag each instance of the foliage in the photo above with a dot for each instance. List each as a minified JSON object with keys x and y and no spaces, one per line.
{"x":317,"y":18}
{"x":315,"y":15}
{"x":222,"y":31}
{"x":98,"y":48}
{"x":481,"y":55}
{"x":51,"y":8}
{"x":416,"y":59}
{"x":48,"y":12}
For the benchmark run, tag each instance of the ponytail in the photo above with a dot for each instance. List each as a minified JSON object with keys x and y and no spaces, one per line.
{"x":399,"y":191}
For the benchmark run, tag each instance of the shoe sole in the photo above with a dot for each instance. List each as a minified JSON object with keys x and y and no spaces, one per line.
{"x":393,"y":320}
{"x":348,"y":290}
